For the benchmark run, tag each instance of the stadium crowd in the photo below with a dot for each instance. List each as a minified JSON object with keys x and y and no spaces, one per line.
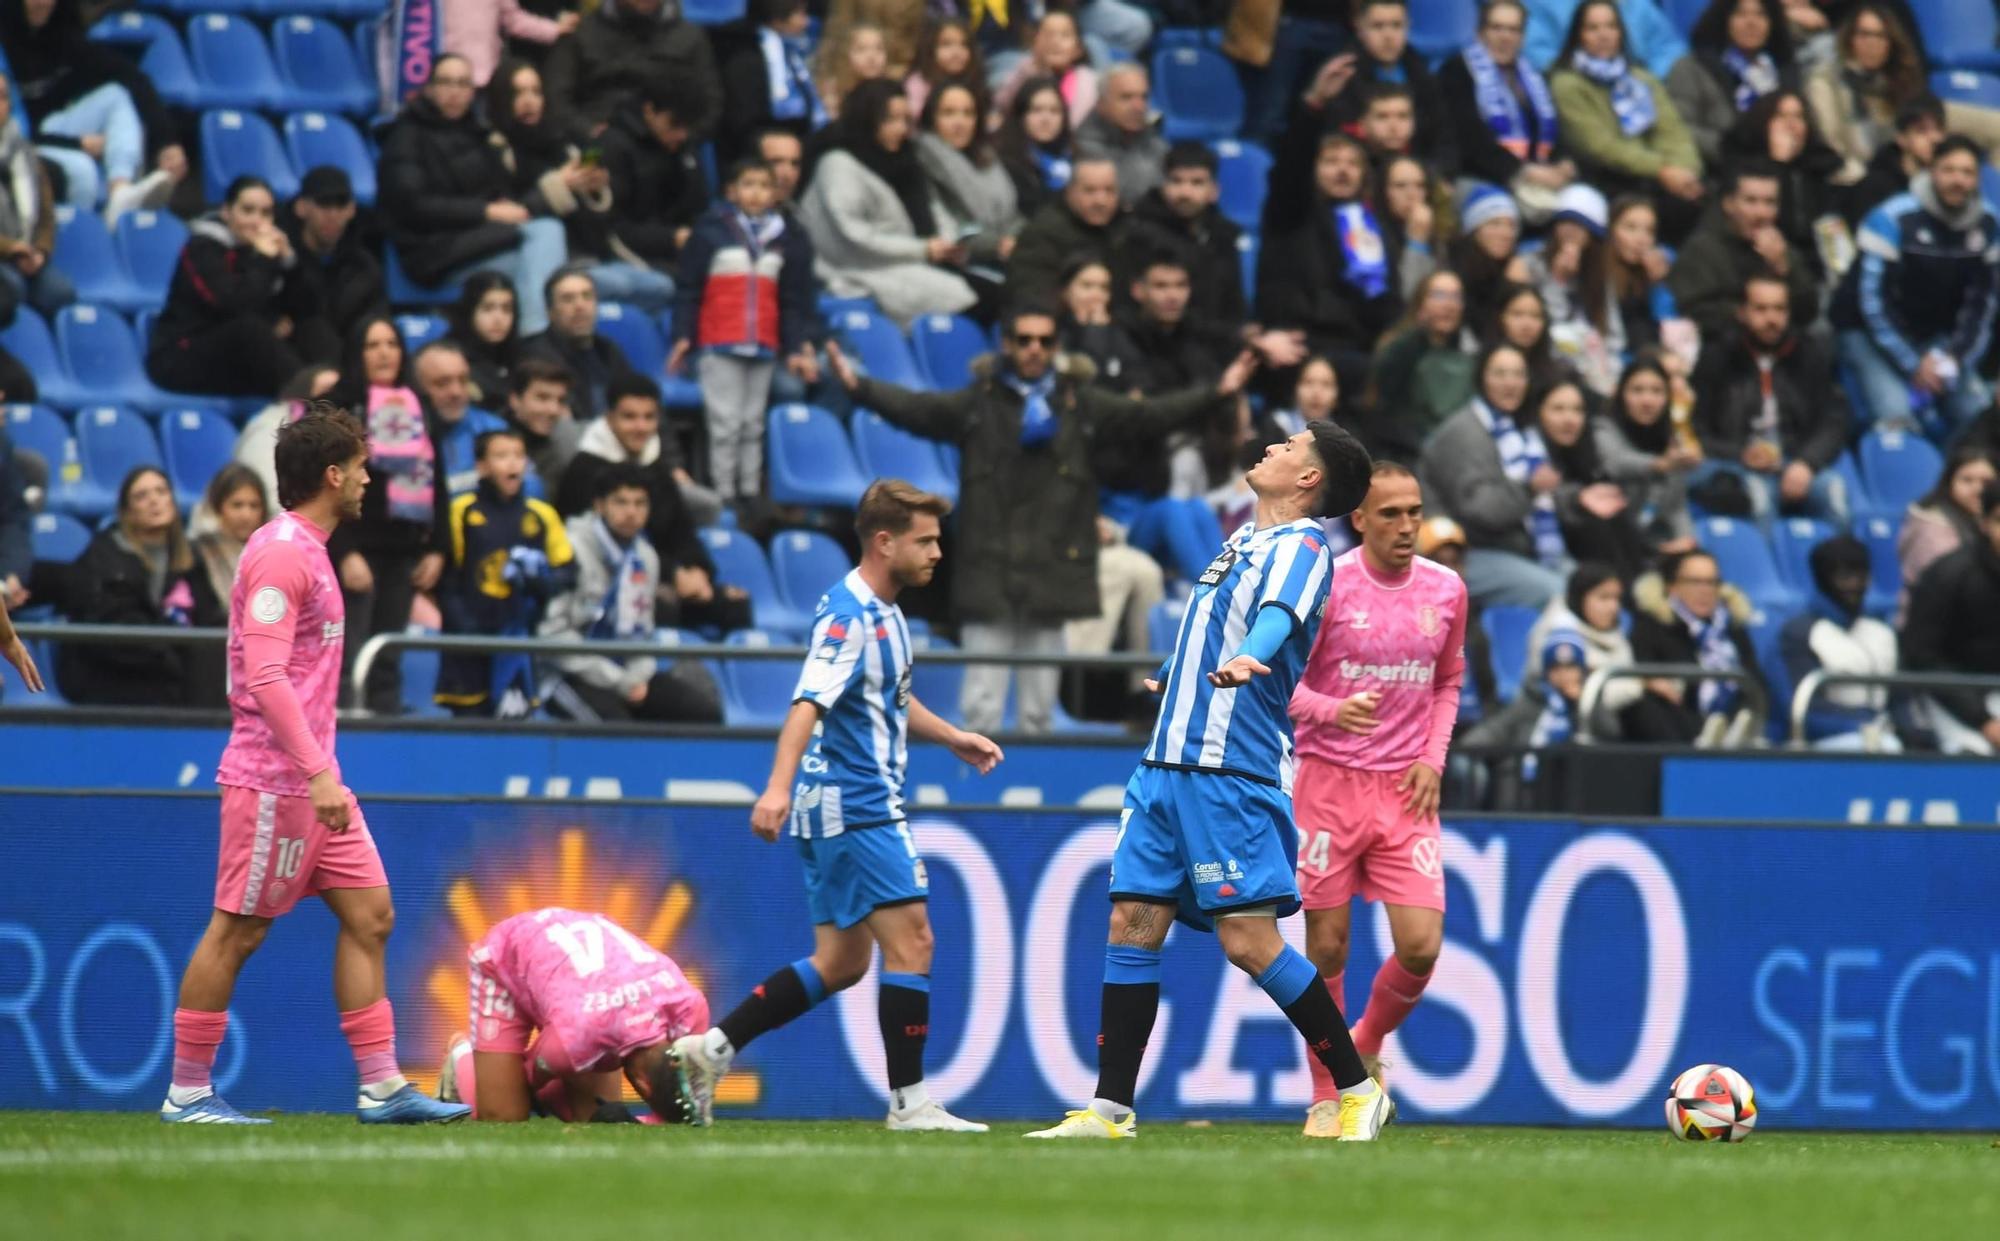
{"x":1683,"y":313}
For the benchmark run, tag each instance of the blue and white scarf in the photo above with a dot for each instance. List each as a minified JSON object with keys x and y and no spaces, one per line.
{"x":1756,"y":76}
{"x":758,"y":232}
{"x":1055,"y":169}
{"x":1631,"y":99}
{"x":626,"y":611}
{"x":789,"y":80}
{"x":1361,"y":241}
{"x":1556,"y":725}
{"x":1521,"y":454}
{"x":1714,"y":651}
{"x":1501,"y":108}
{"x":1038,"y":418}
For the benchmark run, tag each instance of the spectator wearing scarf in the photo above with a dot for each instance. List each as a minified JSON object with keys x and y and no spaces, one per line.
{"x":768,"y":83}
{"x":1695,"y":619}
{"x":1520,"y":142}
{"x":1741,"y":52}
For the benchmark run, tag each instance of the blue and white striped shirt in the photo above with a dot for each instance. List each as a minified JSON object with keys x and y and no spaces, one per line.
{"x":858,"y":674}
{"x":1245,"y":731}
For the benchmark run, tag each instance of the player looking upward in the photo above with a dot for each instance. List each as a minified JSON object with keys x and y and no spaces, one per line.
{"x":290,"y":829}
{"x":561,"y":1002}
{"x":1206,"y":834}
{"x":1374,"y":716}
{"x":851,"y":720}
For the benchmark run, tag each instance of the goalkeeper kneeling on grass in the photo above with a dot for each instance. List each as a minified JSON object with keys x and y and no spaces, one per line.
{"x":508,"y":555}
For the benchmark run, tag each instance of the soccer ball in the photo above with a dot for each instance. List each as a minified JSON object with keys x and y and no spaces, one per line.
{"x":1711,"y":1103}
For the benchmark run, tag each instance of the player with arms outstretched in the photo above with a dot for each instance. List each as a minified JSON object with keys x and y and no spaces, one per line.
{"x":1206,"y":834}
{"x":1374,"y":715}
{"x":846,"y":741}
{"x":290,"y":829}
{"x":561,"y":1003}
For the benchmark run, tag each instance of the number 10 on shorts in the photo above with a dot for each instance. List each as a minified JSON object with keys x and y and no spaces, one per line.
{"x":289,"y":853}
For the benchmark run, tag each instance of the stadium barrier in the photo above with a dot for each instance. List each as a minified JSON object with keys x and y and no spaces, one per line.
{"x":1585,"y":963}
{"x":1819,"y":679}
{"x":1593,"y":689}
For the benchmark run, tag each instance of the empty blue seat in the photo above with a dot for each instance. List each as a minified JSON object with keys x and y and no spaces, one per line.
{"x":232,"y":64}
{"x":1958,"y":34}
{"x":1243,"y":170}
{"x":806,"y":564}
{"x":1187,"y":36}
{"x":1685,"y":13}
{"x":1440,"y":27}
{"x":420,"y":330}
{"x":192,"y":8}
{"x":368,"y":54}
{"x":878,"y":348}
{"x":945,"y":346}
{"x":420,"y":677}
{"x":112,"y":442}
{"x":1744,"y":556}
{"x":85,"y":254}
{"x":366,"y":11}
{"x":887,"y":451}
{"x":1792,"y":539}
{"x":132,"y":29}
{"x":1899,"y":466}
{"x":1968,"y":86}
{"x":756,"y":693}
{"x":196,"y":443}
{"x":1767,"y":626}
{"x":404,"y":291}
{"x":831,"y":307}
{"x":97,"y":343}
{"x":1247,"y":248}
{"x":1860,"y":501}
{"x":938,"y":686}
{"x":1507,"y":640}
{"x":152,"y":41}
{"x":634,"y":333}
{"x":236,"y":144}
{"x":58,"y":537}
{"x":40,"y":430}
{"x":680,"y":391}
{"x":1198,"y":93}
{"x":740,"y":562}
{"x":1885,"y":567}
{"x":149,"y":245}
{"x":809,"y":459}
{"x":316,"y":138}
{"x":316,"y":63}
{"x":28,"y":339}
{"x":713,"y":12}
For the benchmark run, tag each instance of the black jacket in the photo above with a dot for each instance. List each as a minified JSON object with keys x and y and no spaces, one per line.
{"x":612,"y":56}
{"x":437,"y":179}
{"x":17,"y":549}
{"x":654,"y":192}
{"x":1027,"y":517}
{"x":593,"y":362}
{"x":217,"y":280}
{"x":1207,"y":244}
{"x":1708,"y":275}
{"x":1812,"y":410}
{"x":1659,"y":637}
{"x":109,"y":585}
{"x":1052,"y":237}
{"x":1158,"y":360}
{"x":57,"y":65}
{"x":1951,"y":626}
{"x":1302,"y":284}
{"x":1435,"y":141}
{"x":1480,"y":155}
{"x":1884,"y":180}
{"x":342,"y":288}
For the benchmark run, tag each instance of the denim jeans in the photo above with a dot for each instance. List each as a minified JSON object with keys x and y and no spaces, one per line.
{"x":1123,"y":27}
{"x":542,"y":251}
{"x":1886,"y":390}
{"x":1826,"y":499}
{"x":108,"y":111}
{"x":49,"y":291}
{"x":1495,"y":579}
{"x":1183,"y":535}
{"x":650,"y":290}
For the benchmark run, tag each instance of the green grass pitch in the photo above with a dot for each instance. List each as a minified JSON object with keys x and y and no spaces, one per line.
{"x":71,"y":1175}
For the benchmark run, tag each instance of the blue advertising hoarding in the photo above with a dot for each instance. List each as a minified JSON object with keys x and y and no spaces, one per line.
{"x":1830,"y":788}
{"x":1853,"y":976}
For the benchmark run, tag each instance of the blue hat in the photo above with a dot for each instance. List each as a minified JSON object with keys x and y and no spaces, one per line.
{"x":1483,"y":204}
{"x":1561,"y":647}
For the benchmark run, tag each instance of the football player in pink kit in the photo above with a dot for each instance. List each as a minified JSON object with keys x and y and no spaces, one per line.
{"x":1374,"y":715}
{"x":290,"y":829}
{"x":560,"y":1001}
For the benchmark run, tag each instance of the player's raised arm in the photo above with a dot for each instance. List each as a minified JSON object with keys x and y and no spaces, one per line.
{"x":276,"y":583}
{"x":974,"y":750}
{"x":767,"y":817}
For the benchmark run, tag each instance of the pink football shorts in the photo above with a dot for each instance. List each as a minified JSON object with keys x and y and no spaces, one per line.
{"x":274,"y":853}
{"x":1356,"y":838}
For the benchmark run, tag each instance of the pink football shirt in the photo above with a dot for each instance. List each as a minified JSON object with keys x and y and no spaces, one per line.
{"x":1402,"y":637}
{"x":286,"y":621}
{"x":595,"y":991}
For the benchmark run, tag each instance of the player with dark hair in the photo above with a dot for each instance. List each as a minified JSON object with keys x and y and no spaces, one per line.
{"x":289,"y":827}
{"x":1206,"y":835}
{"x":848,"y":731}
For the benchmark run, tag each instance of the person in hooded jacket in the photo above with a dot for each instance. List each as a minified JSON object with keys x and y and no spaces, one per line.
{"x":1835,"y":634}
{"x":223,"y":329}
{"x":622,"y":48}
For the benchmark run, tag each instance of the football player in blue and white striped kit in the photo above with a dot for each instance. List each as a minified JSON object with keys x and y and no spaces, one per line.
{"x":1206,"y":835}
{"x":837,"y":782}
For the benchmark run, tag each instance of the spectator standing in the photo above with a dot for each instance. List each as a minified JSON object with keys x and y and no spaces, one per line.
{"x":447,"y":197}
{"x":1943,"y":519}
{"x":224,"y":329}
{"x":945,"y":53}
{"x":557,"y":171}
{"x":623,"y":47}
{"x":538,"y":413}
{"x":1598,"y":522}
{"x":1950,"y":630}
{"x":135,"y":572}
{"x":483,"y":324}
{"x":1858,"y":95}
{"x":658,"y":191}
{"x":233,"y":507}
{"x":478,"y":31}
{"x":1029,"y":427}
{"x":1056,"y":52}
{"x":1421,"y":373}
{"x":1035,"y":145}
{"x":1734,"y":243}
{"x":768,"y":83}
{"x":629,"y":433}
{"x":1771,"y":413}
{"x":1834,"y":634}
{"x":1182,"y":215}
{"x":746,"y":305}
{"x":869,"y":215}
{"x":444,"y":379}
{"x":1641,"y":452}
{"x":1697,"y":619}
{"x":510,"y":555}
{"x":1121,"y":129}
{"x":1518,"y":143}
{"x":590,"y":358}
{"x":27,"y":224}
{"x":972,"y":197}
{"x":334,"y":282}
{"x":1488,"y":468}
{"x":1915,"y":313}
{"x":1741,"y":52}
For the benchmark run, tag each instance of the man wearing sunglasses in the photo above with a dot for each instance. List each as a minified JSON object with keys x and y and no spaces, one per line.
{"x":1028,"y":496}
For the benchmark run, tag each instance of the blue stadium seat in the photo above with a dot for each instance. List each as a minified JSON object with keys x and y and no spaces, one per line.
{"x":1244,"y":170}
{"x":1744,"y":555}
{"x":28,"y":339}
{"x":420,"y":677}
{"x":58,"y":537}
{"x":878,"y":348}
{"x":809,"y":459}
{"x":756,"y":693}
{"x":945,"y":346}
{"x":236,"y":143}
{"x":1187,"y":36}
{"x":193,"y":8}
{"x":636,"y":334}
{"x":1885,"y":567}
{"x":404,"y":291}
{"x":680,"y":391}
{"x":713,"y":12}
{"x":831,"y":307}
{"x":112,"y":442}
{"x":1766,"y":626}
{"x":1959,"y":34}
{"x":886,"y":451}
{"x":85,"y":254}
{"x":1247,"y":247}
{"x":1968,"y":86}
{"x":1793,"y":539}
{"x":156,"y":45}
{"x":1860,"y":501}
{"x":938,"y":686}
{"x":315,"y":138}
{"x":1439,"y":28}
{"x":806,"y":564}
{"x":1163,"y":623}
{"x":420,"y":330}
{"x":1899,"y":466}
{"x":197,"y":443}
{"x":232,"y":64}
{"x":149,"y":244}
{"x":1198,"y":93}
{"x":97,"y":342}
{"x":1507,"y":637}
{"x":740,"y":562}
{"x":1685,"y":13}
{"x":367,"y":54}
{"x":316,"y":63}
{"x":132,"y":29}
{"x":40,"y":429}
{"x":366,"y":11}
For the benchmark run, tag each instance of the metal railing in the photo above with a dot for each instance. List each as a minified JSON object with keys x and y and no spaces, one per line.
{"x":1593,"y":688}
{"x":1818,"y":679}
